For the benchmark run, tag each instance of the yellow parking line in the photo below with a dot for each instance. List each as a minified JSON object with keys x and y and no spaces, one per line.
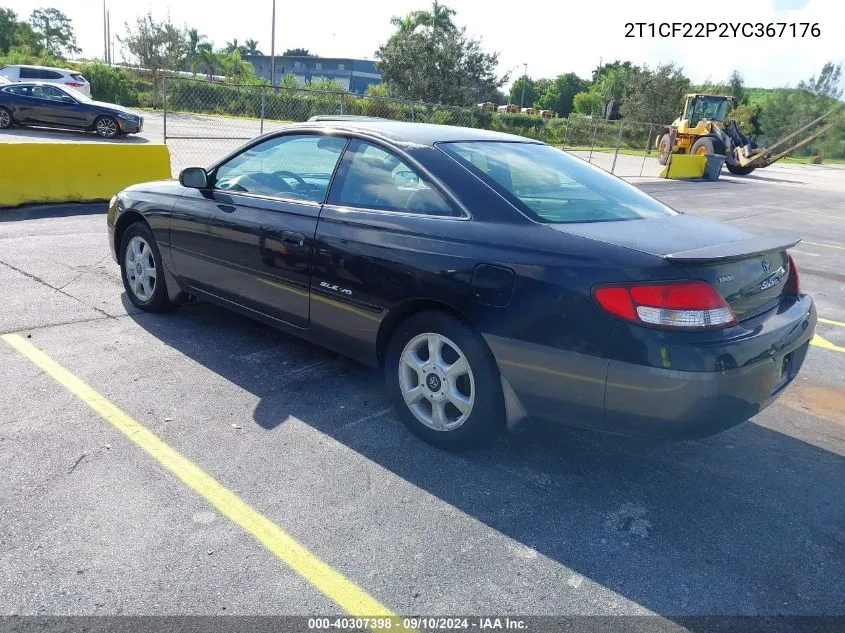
{"x":841,"y":248}
{"x":334,"y":585}
{"x":831,"y":322}
{"x":818,"y":341}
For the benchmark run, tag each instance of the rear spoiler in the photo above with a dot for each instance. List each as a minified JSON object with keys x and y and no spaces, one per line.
{"x":731,"y":251}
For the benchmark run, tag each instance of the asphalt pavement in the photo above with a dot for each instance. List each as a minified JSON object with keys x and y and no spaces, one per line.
{"x":549,"y":521}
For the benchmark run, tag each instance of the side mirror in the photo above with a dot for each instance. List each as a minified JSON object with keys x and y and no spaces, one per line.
{"x":193,"y":177}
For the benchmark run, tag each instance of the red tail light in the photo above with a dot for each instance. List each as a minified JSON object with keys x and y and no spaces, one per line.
{"x":74,"y":84}
{"x":792,"y":286}
{"x":684,"y":305}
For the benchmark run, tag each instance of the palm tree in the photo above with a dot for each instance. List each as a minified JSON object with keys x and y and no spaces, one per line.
{"x":250,"y":47}
{"x":232,"y":46}
{"x":439,"y":18}
{"x":205,"y":59}
{"x":234,"y":66}
{"x":195,"y":41}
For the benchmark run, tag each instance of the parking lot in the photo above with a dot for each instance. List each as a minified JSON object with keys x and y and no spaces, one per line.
{"x":96,"y":520}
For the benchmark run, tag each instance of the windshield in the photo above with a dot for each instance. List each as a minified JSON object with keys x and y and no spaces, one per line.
{"x":713,"y":108}
{"x":551,"y":186}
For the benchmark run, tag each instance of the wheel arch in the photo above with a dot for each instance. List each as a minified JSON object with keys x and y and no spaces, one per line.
{"x":402,"y":311}
{"x":124,"y":221}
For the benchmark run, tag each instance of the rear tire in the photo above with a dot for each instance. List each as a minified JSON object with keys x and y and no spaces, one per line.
{"x":462,"y":374}
{"x":106,"y":127}
{"x":664,"y":149}
{"x":739,"y":170}
{"x":142,"y":271}
{"x":707,"y":146}
{"x":6,"y":120}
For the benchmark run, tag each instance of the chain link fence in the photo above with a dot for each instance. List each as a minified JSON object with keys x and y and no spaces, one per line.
{"x":204,"y":120}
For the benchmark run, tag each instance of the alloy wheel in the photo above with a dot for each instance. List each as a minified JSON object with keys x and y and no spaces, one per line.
{"x":106,"y":128}
{"x":436,"y":381}
{"x":5,"y":119}
{"x":140,"y":268}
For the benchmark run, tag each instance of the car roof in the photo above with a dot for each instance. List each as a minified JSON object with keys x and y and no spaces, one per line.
{"x":32,"y":84}
{"x":64,"y":70}
{"x":416,"y":133}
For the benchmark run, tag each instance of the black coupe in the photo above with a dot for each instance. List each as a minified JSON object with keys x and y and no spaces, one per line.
{"x":494,"y":278}
{"x":50,"y":105}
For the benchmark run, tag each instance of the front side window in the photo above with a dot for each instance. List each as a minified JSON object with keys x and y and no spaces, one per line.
{"x":48,"y":92}
{"x":551,"y":186}
{"x":294,"y":166}
{"x":374,"y":178}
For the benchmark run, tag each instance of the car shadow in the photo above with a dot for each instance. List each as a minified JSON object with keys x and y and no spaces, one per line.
{"x":59,"y":134}
{"x":52,"y":210}
{"x":747,"y":522}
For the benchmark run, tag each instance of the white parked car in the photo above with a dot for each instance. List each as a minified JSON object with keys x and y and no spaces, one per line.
{"x":62,"y":76}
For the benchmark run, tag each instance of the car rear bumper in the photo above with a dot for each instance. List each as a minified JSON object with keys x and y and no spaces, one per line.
{"x":636,"y":399}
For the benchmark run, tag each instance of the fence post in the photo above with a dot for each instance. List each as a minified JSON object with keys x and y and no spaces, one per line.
{"x":164,"y":110}
{"x":593,"y":142}
{"x":341,"y":103}
{"x":472,"y":117}
{"x":616,"y":151}
{"x":413,"y":112}
{"x":565,"y":132}
{"x":647,"y":147}
{"x":263,"y":101}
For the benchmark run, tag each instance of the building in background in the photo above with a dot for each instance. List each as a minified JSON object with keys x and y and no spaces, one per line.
{"x":353,"y":74}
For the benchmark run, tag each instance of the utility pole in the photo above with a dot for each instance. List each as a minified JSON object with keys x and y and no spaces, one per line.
{"x":524,"y":81}
{"x":105,"y":36}
{"x":109,"y":44}
{"x":273,"y":48}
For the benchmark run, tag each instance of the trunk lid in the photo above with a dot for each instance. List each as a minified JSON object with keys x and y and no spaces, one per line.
{"x":748,"y":270}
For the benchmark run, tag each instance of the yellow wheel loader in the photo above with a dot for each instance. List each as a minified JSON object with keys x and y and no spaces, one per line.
{"x":704,"y":128}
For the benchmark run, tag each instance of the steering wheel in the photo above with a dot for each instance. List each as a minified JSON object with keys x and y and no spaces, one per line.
{"x":283,"y":173}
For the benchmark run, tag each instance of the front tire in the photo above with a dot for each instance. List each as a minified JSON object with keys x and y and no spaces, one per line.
{"x":106,"y":127}
{"x":443,"y":381}
{"x":707,"y":146}
{"x":142,"y":270}
{"x":739,"y":170}
{"x":6,"y":120}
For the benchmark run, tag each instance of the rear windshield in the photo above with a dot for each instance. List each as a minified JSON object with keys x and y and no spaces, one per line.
{"x":551,"y":186}
{"x":77,"y":77}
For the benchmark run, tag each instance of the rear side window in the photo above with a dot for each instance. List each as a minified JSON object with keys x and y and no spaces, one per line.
{"x":39,"y":73}
{"x":552,"y":186}
{"x":19,"y":90}
{"x":77,"y":77}
{"x":373,"y":178}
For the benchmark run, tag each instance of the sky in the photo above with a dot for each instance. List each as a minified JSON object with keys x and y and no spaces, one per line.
{"x":550,"y":37}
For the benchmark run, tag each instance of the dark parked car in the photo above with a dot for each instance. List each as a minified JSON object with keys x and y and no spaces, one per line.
{"x":493,"y":277}
{"x":55,"y":106}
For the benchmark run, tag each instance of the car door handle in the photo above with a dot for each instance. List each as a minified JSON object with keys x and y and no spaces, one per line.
{"x":289,"y":238}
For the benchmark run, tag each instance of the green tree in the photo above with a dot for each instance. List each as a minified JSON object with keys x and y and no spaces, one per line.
{"x":736,"y":88}
{"x":233,"y":65}
{"x":439,"y":17}
{"x":289,"y":82}
{"x":530,"y":92}
{"x":206,"y":60}
{"x":298,"y":52}
{"x":587,"y":103}
{"x":251,"y":48}
{"x":610,"y":86}
{"x":55,"y":30}
{"x":654,"y":96}
{"x":827,"y":83}
{"x":155,"y":46}
{"x":438,"y":63}
{"x":8,"y":29}
{"x":615,"y":65}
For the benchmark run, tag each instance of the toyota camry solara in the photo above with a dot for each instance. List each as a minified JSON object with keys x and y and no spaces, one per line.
{"x":493,"y":278}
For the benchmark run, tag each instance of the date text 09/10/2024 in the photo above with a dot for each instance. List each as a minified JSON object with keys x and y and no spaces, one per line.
{"x":418,"y":623}
{"x":722,"y":29}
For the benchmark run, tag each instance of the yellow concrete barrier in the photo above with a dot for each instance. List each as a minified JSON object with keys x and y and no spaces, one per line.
{"x":71,"y":172}
{"x":685,"y":166}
